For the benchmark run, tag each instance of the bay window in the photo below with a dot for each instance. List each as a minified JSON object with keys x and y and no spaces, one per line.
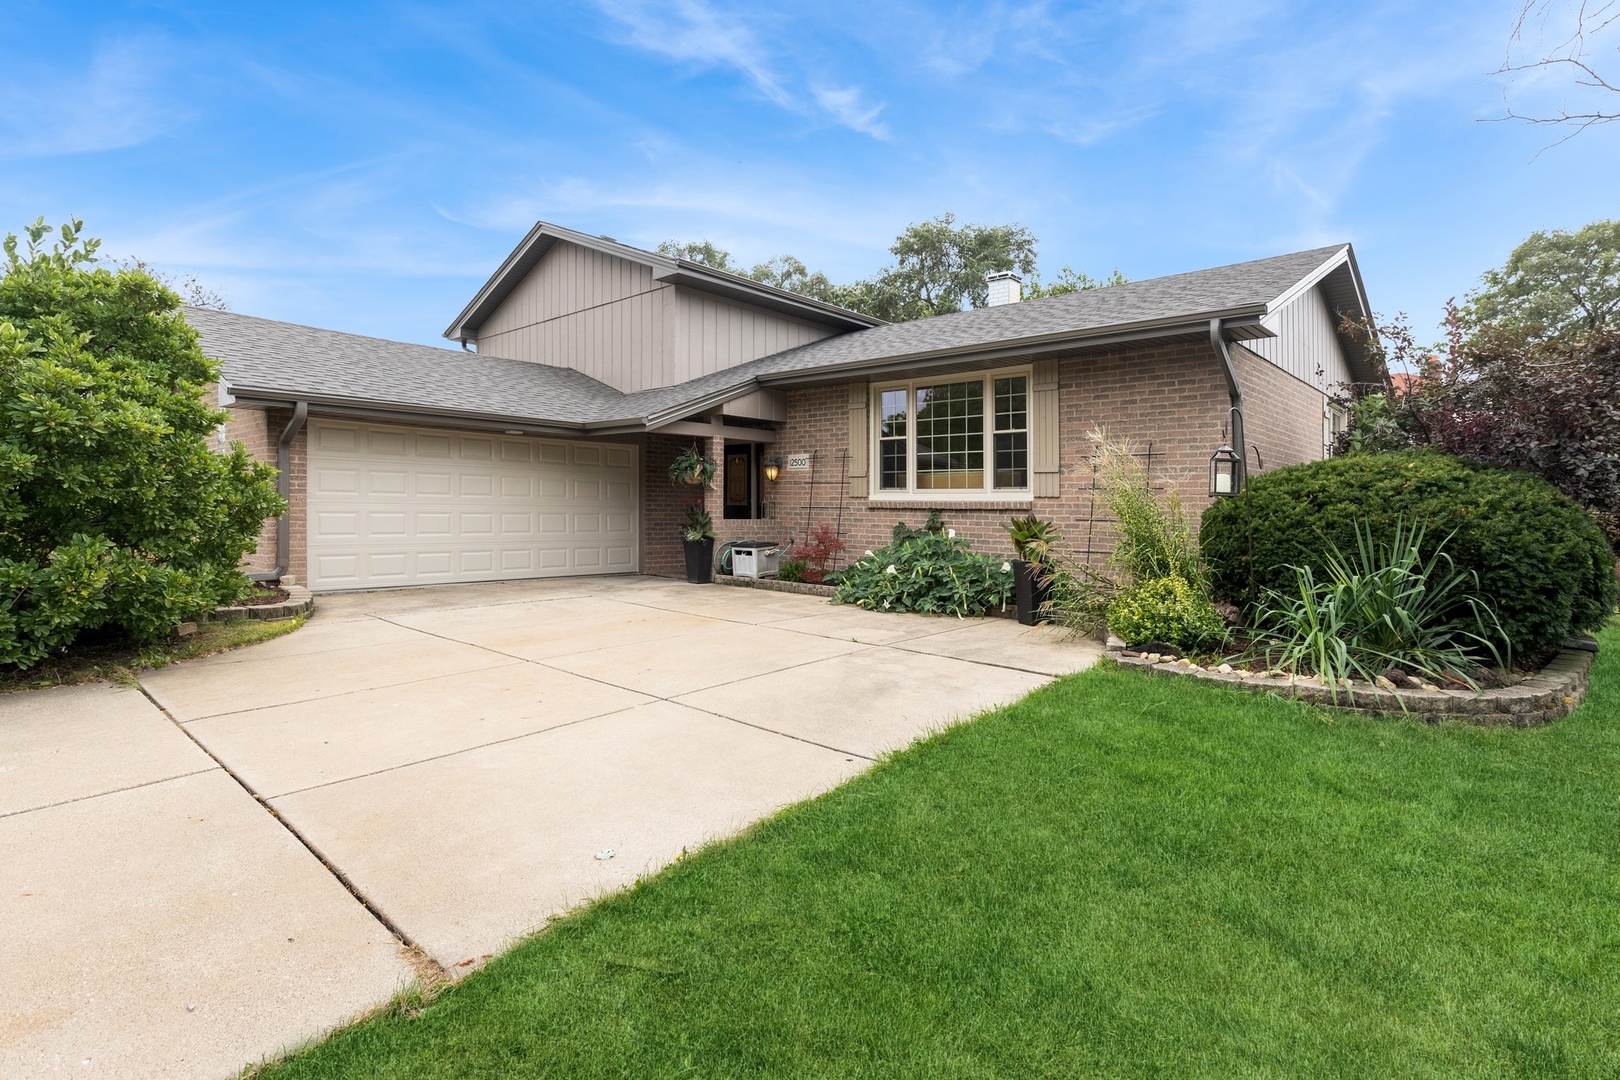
{"x":959,"y":435}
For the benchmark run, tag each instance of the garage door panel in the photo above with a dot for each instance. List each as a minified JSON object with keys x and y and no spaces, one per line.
{"x":386,"y":526}
{"x":397,"y":506}
{"x":336,"y":438}
{"x":432,"y":446}
{"x":337,"y":526}
{"x":337,"y":481}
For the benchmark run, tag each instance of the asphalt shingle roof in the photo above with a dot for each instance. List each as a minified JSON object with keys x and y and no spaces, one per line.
{"x":303,"y":361}
{"x":293,"y":360}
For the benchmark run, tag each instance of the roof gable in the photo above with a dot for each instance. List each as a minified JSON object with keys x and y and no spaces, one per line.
{"x":540,"y":239}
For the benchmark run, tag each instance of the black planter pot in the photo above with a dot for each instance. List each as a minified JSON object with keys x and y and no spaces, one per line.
{"x":1030,"y":591}
{"x":699,"y":561}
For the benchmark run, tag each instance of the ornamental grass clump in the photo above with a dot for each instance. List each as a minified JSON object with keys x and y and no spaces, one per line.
{"x":1385,"y":605}
{"x":931,"y":571}
{"x":1155,"y":575}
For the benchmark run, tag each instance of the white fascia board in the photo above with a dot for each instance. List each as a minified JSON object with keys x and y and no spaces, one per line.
{"x":1311,"y":280}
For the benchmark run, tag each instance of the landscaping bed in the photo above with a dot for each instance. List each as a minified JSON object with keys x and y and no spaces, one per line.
{"x":116,"y":659}
{"x":1535,"y":698}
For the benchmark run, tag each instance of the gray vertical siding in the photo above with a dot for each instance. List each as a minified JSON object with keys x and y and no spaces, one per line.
{"x":1306,"y":345}
{"x":607,"y":317}
{"x":713,"y":334}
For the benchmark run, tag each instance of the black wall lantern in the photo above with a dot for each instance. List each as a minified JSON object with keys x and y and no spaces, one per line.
{"x":1227,"y":467}
{"x":1225,"y":473}
{"x":773,"y":469}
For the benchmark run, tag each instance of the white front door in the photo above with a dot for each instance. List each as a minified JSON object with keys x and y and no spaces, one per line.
{"x":414,"y":506}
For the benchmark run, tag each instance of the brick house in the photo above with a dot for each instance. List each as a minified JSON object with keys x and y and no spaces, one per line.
{"x":541,"y":446}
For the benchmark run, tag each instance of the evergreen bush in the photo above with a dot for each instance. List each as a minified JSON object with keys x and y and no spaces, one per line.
{"x":1166,"y":609}
{"x":1542,"y":563}
{"x":114,"y":510}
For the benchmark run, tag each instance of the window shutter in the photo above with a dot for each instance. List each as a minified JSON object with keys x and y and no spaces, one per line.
{"x":860,"y":438}
{"x":1044,"y":429}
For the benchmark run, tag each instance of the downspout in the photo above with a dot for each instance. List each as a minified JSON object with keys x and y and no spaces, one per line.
{"x":284,"y":489}
{"x":1234,"y":394}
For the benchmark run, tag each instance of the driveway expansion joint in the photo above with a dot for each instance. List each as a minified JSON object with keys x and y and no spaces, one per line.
{"x":109,"y":791}
{"x":343,"y":879}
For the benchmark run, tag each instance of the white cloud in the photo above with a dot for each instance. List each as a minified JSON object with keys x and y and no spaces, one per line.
{"x":846,"y":106}
{"x":116,"y":103}
{"x":697,"y":32}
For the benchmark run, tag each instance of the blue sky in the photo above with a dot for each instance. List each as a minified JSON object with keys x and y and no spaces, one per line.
{"x":364,"y":166}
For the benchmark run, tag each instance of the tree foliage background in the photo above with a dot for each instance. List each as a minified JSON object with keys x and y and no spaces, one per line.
{"x":1528,"y":375}
{"x":114,"y":511}
{"x":939,"y":267}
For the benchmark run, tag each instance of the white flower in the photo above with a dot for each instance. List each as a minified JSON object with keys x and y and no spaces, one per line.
{"x":1006,"y":568}
{"x":891,"y":569}
{"x":951,"y":533}
{"x":885,"y":605}
{"x":868,"y":554}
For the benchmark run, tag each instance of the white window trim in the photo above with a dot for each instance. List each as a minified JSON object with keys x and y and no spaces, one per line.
{"x":910,"y":493}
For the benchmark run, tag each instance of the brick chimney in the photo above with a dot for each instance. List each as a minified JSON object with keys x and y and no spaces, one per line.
{"x":1006,"y":287}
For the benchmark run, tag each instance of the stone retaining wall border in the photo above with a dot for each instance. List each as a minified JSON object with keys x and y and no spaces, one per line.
{"x":1551,"y":693}
{"x":299,"y":602}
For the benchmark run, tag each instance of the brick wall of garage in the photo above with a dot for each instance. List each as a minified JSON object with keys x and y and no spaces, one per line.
{"x":250,"y":428}
{"x":1171,"y":397}
{"x":257,"y":430}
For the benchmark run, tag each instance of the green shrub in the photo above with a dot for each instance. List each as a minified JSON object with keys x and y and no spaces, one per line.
{"x":930,"y":572}
{"x":791,"y":570}
{"x":1166,"y":609}
{"x":1542,"y":562}
{"x":114,"y":511}
{"x":1385,"y":605}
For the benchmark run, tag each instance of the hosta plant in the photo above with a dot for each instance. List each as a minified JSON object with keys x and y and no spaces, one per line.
{"x":933,"y":573}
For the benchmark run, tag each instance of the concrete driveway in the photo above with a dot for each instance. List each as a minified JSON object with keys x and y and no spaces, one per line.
{"x":445,"y":768}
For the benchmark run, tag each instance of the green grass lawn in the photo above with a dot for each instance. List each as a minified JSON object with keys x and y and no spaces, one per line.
{"x":1121,"y":875}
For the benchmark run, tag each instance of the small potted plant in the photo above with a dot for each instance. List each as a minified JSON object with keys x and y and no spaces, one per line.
{"x":697,"y":531}
{"x":1032,"y":541}
{"x":692,"y":467}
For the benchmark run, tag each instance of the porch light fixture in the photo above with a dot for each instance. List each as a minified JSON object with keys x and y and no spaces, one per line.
{"x":1225,"y":473}
{"x":773,"y":469}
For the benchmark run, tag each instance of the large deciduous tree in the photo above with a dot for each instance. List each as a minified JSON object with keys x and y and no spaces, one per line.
{"x":939,"y":268}
{"x":1557,"y":284}
{"x":114,"y":510}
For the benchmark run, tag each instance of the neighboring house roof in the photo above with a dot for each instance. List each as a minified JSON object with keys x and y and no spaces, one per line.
{"x":527,"y":255}
{"x":268,"y":361}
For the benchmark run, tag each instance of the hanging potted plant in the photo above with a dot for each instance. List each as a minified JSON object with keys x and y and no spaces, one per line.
{"x":692,"y":467}
{"x":1032,"y":541}
{"x":697,"y":532}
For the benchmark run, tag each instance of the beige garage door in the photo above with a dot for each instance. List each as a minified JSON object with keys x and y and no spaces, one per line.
{"x":410,"y":506}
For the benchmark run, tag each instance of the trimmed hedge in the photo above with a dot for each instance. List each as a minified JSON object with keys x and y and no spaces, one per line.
{"x":1543,"y":563}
